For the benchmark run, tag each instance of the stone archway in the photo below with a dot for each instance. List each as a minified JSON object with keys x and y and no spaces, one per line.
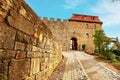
{"x":73,"y":43}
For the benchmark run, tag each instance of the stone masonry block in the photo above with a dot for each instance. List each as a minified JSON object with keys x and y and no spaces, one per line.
{"x":34,"y":48}
{"x":7,"y":54}
{"x":30,"y":54}
{"x":7,"y":36}
{"x":1,"y":19}
{"x":28,"y":48}
{"x":43,"y":66}
{"x":19,"y":46}
{"x":31,"y":78}
{"x":20,"y":55}
{"x":22,"y":37}
{"x":35,"y":66}
{"x":38,"y":55}
{"x":40,"y":75}
{"x":20,"y":23}
{"x":3,"y":70}
{"x":34,"y":55}
{"x":19,"y":69}
{"x":42,"y":60}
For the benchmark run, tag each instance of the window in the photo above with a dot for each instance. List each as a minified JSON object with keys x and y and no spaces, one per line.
{"x":76,"y":17}
{"x":93,"y":18}
{"x":94,"y":26}
{"x":86,"y":25}
{"x":87,"y":35}
{"x":84,"y":17}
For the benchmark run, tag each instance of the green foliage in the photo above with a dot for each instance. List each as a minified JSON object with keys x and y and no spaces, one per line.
{"x":115,"y":0}
{"x":101,"y":41}
{"x":116,"y":63}
{"x":118,"y":58}
{"x":112,"y":57}
{"x":83,"y":46}
{"x":117,"y":52}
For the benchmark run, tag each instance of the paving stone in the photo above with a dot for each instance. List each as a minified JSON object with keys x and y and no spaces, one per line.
{"x":81,"y":66}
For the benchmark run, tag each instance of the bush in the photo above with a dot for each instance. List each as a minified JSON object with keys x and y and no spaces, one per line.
{"x":117,"y":52}
{"x":117,"y":63}
{"x":83,"y":47}
{"x":112,"y":56}
{"x":118,"y":58}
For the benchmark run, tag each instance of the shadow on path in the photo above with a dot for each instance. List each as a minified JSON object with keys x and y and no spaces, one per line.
{"x":59,"y":71}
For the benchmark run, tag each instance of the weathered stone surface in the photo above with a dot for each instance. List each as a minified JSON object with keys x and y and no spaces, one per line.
{"x":42,"y":60}
{"x":43,"y":66}
{"x":31,"y":78}
{"x":7,"y":36}
{"x":20,"y":55}
{"x":19,"y":69}
{"x":40,"y":75}
{"x":34,"y":55}
{"x":21,"y":37}
{"x":30,"y":54}
{"x":28,"y":48}
{"x":35,"y":66}
{"x":7,"y":54}
{"x":22,"y":24}
{"x":1,"y":37}
{"x":43,"y":43}
{"x":19,"y":46}
{"x":38,"y":54}
{"x":25,"y":43}
{"x":3,"y":70}
{"x":34,"y":48}
{"x":1,"y":19}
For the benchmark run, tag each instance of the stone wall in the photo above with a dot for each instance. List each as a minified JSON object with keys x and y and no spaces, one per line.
{"x":28,"y":49}
{"x":82,"y":31}
{"x":59,"y":29}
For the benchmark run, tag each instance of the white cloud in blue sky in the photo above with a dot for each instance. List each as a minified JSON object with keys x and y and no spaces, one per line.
{"x":71,"y":4}
{"x":109,"y":12}
{"x":110,"y":15}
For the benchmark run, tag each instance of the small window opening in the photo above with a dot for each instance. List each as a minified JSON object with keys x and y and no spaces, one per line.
{"x":86,"y":25}
{"x":87,"y":35}
{"x":84,"y":17}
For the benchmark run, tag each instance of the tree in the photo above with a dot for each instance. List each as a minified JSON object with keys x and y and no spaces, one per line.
{"x":115,"y":0}
{"x":101,"y":41}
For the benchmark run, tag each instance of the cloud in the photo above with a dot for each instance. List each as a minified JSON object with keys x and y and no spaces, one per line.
{"x":71,"y":4}
{"x":108,"y":11}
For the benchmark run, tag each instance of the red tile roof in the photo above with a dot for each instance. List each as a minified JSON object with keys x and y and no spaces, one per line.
{"x":85,"y":18}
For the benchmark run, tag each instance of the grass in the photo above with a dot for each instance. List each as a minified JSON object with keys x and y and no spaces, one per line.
{"x":116,"y":63}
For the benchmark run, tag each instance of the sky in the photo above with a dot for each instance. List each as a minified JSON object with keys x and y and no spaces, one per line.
{"x":108,"y":11}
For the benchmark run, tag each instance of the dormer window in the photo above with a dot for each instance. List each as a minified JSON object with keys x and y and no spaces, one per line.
{"x":93,"y":18}
{"x":85,"y":18}
{"x":76,"y":17}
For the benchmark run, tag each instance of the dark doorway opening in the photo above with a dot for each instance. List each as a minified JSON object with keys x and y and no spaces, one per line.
{"x":73,"y":43}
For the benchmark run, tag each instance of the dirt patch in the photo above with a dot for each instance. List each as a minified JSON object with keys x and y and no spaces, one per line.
{"x":59,"y":71}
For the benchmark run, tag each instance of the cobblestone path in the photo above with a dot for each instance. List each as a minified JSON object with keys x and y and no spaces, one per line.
{"x":81,"y":66}
{"x":74,"y":70}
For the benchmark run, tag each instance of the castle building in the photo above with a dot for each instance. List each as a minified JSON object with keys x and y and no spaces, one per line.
{"x":75,"y":32}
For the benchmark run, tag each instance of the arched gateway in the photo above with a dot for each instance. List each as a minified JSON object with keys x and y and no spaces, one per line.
{"x":73,"y":43}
